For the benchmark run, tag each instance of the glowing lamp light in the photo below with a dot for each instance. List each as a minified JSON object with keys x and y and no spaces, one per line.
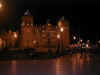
{"x":58,"y":36}
{"x":81,"y":40}
{"x":99,"y":41}
{"x":0,"y":5}
{"x":87,"y":46}
{"x":15,"y":35}
{"x":74,"y":37}
{"x":62,"y":29}
{"x":49,"y":24}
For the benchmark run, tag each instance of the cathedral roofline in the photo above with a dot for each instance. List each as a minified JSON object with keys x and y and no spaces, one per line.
{"x":27,"y":13}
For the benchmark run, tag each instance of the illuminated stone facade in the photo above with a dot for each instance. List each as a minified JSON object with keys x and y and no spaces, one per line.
{"x":41,"y":37}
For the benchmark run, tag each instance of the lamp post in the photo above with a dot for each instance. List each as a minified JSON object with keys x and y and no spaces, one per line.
{"x":15,"y":35}
{"x":0,"y":5}
{"x":58,"y":36}
{"x":62,"y":30}
{"x":58,"y":44}
{"x":74,"y":38}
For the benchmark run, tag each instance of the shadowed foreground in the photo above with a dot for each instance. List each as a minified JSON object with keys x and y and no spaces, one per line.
{"x":76,"y":64}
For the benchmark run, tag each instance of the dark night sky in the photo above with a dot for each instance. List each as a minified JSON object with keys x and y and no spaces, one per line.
{"x":83,"y":14}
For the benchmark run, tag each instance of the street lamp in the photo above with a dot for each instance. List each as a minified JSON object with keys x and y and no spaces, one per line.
{"x":58,"y":44}
{"x":15,"y":35}
{"x":99,"y":41}
{"x":1,"y":5}
{"x":58,"y":36}
{"x":74,"y":37}
{"x":62,"y":29}
{"x":87,"y":46}
{"x":81,"y":41}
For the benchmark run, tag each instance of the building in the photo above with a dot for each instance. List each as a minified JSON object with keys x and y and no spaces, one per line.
{"x":41,"y":37}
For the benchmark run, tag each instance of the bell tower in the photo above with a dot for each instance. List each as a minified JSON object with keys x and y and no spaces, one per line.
{"x":27,"y":19}
{"x":27,"y":31}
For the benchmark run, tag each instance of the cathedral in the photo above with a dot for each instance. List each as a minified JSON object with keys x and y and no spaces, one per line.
{"x":40,"y":37}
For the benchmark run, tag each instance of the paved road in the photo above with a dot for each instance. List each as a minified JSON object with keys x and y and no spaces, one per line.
{"x":77,"y":64}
